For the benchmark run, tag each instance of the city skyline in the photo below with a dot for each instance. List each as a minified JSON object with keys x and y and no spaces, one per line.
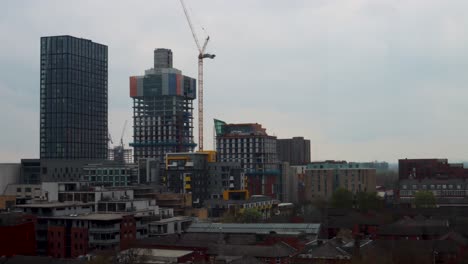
{"x":383,"y":78}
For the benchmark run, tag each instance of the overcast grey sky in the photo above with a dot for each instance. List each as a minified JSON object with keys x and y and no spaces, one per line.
{"x":362,"y":79}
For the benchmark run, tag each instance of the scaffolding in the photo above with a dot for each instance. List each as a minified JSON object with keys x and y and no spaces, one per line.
{"x":162,"y":125}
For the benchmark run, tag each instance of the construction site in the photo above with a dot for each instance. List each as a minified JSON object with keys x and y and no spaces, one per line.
{"x":162,"y":109}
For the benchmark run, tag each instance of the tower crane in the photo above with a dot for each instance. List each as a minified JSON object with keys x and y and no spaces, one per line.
{"x":201,"y":55}
{"x":122,"y":135}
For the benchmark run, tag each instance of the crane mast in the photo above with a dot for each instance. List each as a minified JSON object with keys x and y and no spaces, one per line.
{"x":202,"y":55}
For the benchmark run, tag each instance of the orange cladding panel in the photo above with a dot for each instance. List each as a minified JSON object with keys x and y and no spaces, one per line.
{"x":133,"y":86}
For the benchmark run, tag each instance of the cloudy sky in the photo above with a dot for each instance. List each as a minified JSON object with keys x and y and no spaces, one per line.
{"x":362,"y":79}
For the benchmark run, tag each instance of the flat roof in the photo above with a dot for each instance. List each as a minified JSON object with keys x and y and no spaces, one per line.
{"x":51,"y":205}
{"x":260,"y":228}
{"x":92,"y":216}
{"x":161,"y":253}
{"x":172,"y":219}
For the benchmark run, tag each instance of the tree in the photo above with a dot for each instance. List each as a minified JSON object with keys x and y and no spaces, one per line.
{"x":342,"y":198}
{"x":250,"y":215}
{"x":368,"y":201}
{"x":424,"y":199}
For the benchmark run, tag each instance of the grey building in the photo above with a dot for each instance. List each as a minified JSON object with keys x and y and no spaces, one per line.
{"x":30,"y":171}
{"x":162,"y":58}
{"x":195,"y":173}
{"x":110,"y":174}
{"x":294,"y":150}
{"x":250,"y":145}
{"x":73,"y":99}
{"x":289,"y":183}
{"x":9,"y":174}
{"x":162,"y":110}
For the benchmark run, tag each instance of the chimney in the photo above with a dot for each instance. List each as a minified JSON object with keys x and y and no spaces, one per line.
{"x":357,"y":246}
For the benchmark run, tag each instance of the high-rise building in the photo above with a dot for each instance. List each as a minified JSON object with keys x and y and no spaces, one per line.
{"x":162,"y":110}
{"x":294,"y":150}
{"x":250,"y":145}
{"x":73,"y":104}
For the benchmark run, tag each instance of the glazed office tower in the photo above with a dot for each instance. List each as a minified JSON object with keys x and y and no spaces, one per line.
{"x":73,"y":115}
{"x":162,"y":109}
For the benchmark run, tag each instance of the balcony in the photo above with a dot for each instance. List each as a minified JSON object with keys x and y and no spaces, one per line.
{"x":111,"y":241}
{"x":107,"y":229}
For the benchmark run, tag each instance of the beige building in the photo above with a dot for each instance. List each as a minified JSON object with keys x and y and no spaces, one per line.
{"x":321,"y":179}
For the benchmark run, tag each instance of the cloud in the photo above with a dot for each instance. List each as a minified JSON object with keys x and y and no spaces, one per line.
{"x":362,"y":79}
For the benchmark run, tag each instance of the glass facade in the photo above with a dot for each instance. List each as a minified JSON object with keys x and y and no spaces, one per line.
{"x":73,"y":104}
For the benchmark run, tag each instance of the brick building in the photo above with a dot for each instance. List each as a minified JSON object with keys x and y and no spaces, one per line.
{"x":430,"y":168}
{"x":17,"y":234}
{"x":68,"y":230}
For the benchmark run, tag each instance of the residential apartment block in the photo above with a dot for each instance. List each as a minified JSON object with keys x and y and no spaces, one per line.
{"x":294,"y":150}
{"x":255,"y":150}
{"x":321,"y":179}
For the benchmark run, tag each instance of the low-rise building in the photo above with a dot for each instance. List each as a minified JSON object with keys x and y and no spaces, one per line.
{"x":168,"y":226}
{"x":448,"y":192}
{"x":68,"y":230}
{"x":17,"y":234}
{"x":263,"y":204}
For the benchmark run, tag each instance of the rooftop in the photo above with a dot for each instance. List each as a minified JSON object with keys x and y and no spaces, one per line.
{"x":93,"y":216}
{"x":51,"y":204}
{"x":260,"y":228}
{"x":172,"y":219}
{"x":277,"y":250}
{"x":162,"y":253}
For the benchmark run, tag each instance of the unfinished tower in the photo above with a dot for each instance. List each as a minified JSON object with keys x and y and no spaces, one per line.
{"x":162,"y":109}
{"x":255,"y":150}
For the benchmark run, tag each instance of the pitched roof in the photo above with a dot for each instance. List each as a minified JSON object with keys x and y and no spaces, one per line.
{"x":261,"y":228}
{"x":275,"y":251}
{"x":203,"y":240}
{"x":327,"y":251}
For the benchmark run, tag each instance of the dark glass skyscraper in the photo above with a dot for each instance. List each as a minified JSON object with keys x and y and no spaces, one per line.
{"x":73,"y":99}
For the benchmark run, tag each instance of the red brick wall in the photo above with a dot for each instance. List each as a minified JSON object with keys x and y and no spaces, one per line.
{"x":18,"y":240}
{"x":79,"y":241}
{"x":127,"y":231}
{"x":56,"y":241}
{"x":270,"y":181}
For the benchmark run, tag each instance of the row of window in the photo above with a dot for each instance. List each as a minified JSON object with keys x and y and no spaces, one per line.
{"x":433,"y":186}
{"x":436,"y":192}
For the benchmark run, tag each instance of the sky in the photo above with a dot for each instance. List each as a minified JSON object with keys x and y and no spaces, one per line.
{"x":362,"y":79}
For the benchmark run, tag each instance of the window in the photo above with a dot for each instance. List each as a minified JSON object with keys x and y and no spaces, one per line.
{"x":18,"y":190}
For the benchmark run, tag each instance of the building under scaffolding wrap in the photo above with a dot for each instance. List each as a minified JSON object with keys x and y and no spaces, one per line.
{"x":162,"y":109}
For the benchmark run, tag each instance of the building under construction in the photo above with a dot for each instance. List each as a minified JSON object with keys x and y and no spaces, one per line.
{"x":120,"y":154}
{"x":255,"y":150}
{"x":162,"y":109}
